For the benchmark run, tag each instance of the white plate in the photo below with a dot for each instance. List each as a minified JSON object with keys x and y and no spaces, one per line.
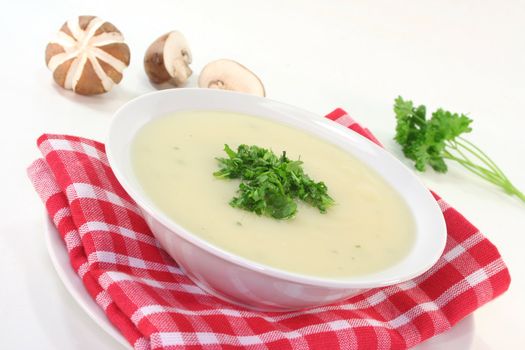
{"x":74,"y":285}
{"x":458,"y":338}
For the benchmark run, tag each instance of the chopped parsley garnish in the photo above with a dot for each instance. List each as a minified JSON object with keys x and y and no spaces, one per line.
{"x":270,"y":184}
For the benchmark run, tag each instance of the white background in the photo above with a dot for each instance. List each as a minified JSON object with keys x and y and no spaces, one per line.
{"x":464,"y":55}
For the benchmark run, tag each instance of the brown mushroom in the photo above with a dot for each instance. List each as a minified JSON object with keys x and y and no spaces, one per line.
{"x":88,"y":55}
{"x":167,"y":59}
{"x":230,"y":75}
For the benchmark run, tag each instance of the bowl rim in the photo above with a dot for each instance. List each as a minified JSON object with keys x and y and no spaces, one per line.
{"x":351,"y":282}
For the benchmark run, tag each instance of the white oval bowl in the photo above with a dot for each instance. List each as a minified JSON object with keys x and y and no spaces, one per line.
{"x":245,"y":282}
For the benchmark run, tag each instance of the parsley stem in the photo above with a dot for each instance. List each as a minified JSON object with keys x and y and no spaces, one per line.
{"x":476,"y":169}
{"x":493,"y":174}
{"x":495,"y":177}
{"x":487,"y":172}
{"x":487,"y":158}
{"x":478,"y":153}
{"x":520,"y":195}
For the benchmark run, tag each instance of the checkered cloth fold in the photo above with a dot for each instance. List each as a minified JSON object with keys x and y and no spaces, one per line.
{"x":155,"y":306}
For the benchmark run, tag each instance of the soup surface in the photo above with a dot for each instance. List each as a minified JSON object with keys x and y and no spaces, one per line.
{"x":368,"y":229}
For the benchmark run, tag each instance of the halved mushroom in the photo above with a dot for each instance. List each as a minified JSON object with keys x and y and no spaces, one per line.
{"x":167,"y":59}
{"x":230,"y":75}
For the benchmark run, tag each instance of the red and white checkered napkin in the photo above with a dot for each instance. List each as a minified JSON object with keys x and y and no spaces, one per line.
{"x":155,"y":306}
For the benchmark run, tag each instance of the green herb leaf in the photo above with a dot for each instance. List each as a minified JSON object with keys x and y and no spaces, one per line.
{"x":270,"y":184}
{"x":431,"y":142}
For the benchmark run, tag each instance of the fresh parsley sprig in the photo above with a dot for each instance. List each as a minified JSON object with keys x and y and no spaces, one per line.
{"x":270,"y":184}
{"x":432,"y":141}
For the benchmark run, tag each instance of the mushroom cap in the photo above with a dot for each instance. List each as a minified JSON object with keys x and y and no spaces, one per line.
{"x":88,"y":55}
{"x":167,"y":59}
{"x":230,"y":75}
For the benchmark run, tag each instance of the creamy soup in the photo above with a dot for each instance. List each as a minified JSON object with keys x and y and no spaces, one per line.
{"x":368,"y":229}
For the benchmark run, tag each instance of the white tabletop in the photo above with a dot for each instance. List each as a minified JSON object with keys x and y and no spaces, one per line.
{"x":467,"y":56}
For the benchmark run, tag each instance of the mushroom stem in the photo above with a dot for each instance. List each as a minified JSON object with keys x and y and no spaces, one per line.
{"x":182,"y":71}
{"x":216,"y":84}
{"x":167,"y":59}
